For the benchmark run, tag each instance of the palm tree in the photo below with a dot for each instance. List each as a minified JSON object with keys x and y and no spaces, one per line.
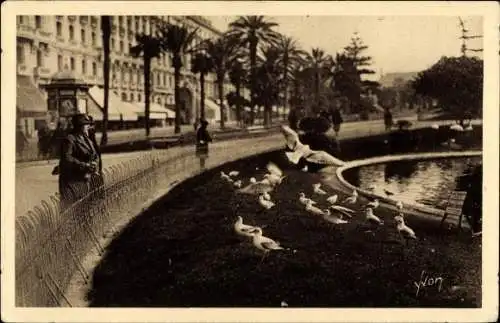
{"x":268,"y":82}
{"x":251,"y":31}
{"x":318,"y":63}
{"x":291,"y":56}
{"x":106,"y":34}
{"x":178,"y":41}
{"x":202,"y":64}
{"x":149,"y":47}
{"x":222,"y":52}
{"x":237,"y":75}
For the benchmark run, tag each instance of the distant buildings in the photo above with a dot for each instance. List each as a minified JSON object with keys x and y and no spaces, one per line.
{"x":47,"y":45}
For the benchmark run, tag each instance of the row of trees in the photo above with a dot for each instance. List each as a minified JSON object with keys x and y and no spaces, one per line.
{"x":253,"y":55}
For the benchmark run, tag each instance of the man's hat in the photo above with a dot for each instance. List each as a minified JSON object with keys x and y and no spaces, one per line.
{"x":204,"y":122}
{"x":80,"y":120}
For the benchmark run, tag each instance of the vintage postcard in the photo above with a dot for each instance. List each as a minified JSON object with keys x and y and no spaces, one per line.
{"x":250,"y":161}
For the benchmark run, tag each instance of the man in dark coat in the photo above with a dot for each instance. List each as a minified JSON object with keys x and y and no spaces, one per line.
{"x":79,"y":162}
{"x":336,"y":120}
{"x":202,"y":140}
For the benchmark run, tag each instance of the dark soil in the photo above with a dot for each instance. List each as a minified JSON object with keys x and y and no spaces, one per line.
{"x":183,"y":252}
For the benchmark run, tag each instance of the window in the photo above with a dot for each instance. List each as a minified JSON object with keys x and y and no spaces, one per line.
{"x":38,"y":22}
{"x":84,"y":67}
{"x":139,"y":97}
{"x":83,"y":35}
{"x":121,"y":46}
{"x":21,"y":20}
{"x":59,"y":29}
{"x":59,"y":62}
{"x":132,"y":97}
{"x":20,"y":54}
{"x":165,"y":79}
{"x":93,"y":39}
{"x":72,"y":63}
{"x":158,"y":80}
{"x":137,"y":25}
{"x":39,"y":58}
{"x":94,"y":68}
{"x":71,"y":33}
{"x":112,"y":44}
{"x":124,"y":96}
{"x":120,"y":21}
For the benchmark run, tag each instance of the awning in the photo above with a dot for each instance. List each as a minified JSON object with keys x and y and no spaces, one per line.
{"x":116,"y":107}
{"x":29,"y":99}
{"x":156,"y":111}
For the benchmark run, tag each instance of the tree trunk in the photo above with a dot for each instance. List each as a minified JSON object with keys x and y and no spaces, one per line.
{"x":106,"y":33}
{"x":220,"y":83}
{"x":177,"y":76}
{"x":266,"y":115}
{"x":238,"y":105}
{"x":147,"y":92}
{"x":202,"y":95}
{"x":253,"y":66}
{"x":285,"y":93}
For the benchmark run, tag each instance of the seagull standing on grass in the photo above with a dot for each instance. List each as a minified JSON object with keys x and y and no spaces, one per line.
{"x":275,"y":175}
{"x":373,"y":204}
{"x":399,"y":205}
{"x":314,"y":210}
{"x":343,"y":210}
{"x":318,"y":190}
{"x":253,"y":180}
{"x":238,"y":183}
{"x":226,"y":177}
{"x":244,"y":229}
{"x":305,"y":169}
{"x":234,"y":173}
{"x":328,"y":216}
{"x":372,"y":218}
{"x":265,"y":203}
{"x":304,"y":200}
{"x":404,"y":231}
{"x":264,"y":243}
{"x":352,"y":199}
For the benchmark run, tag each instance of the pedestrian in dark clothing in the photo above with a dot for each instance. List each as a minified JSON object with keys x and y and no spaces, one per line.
{"x":388,"y":119}
{"x":202,"y":140}
{"x":293,"y":119}
{"x":97,"y":179}
{"x":472,"y":207}
{"x":44,"y":135}
{"x":79,"y":162}
{"x":336,"y":120}
{"x":21,"y":140}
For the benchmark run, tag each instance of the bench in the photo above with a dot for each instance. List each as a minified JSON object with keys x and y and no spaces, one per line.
{"x":454,"y":206}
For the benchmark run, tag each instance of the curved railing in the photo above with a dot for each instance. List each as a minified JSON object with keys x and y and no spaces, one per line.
{"x":51,"y":245}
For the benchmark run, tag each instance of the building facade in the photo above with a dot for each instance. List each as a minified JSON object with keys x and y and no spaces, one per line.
{"x":50,"y":44}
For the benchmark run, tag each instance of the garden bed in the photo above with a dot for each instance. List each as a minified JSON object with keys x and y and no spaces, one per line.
{"x":183,"y":252}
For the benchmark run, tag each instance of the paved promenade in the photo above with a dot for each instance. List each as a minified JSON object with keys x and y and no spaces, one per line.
{"x":34,"y":181}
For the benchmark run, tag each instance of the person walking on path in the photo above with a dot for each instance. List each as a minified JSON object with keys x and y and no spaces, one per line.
{"x":388,"y":119}
{"x":21,"y":141}
{"x":79,"y":162}
{"x":202,"y":140}
{"x":337,"y":121}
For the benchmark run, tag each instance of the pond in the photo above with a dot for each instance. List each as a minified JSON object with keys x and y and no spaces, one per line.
{"x":426,"y":182}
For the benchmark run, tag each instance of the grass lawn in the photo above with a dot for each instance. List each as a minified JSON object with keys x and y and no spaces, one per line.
{"x":183,"y":252}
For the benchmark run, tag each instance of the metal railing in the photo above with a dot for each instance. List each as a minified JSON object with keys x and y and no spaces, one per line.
{"x":52,"y":244}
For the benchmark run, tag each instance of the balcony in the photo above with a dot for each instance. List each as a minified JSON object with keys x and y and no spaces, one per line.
{"x":84,"y":20}
{"x":72,"y":18}
{"x":41,"y":71}
{"x":25,"y":31}
{"x":122,"y":31}
{"x":44,"y":34}
{"x":94,"y":21}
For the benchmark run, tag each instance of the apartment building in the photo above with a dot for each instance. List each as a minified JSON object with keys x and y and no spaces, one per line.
{"x":47,"y":45}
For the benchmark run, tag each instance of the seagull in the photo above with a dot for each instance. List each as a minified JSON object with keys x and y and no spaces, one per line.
{"x":265,"y":203}
{"x":254,"y":188}
{"x":244,"y":229}
{"x":238,"y":183}
{"x":305,"y":169}
{"x":332,"y":218}
{"x":253,"y":180}
{"x":304,"y":200}
{"x":457,"y":127}
{"x":454,"y":145}
{"x":275,"y":175}
{"x":264,"y":243}
{"x":234,"y":173}
{"x":373,"y":204}
{"x":317,"y":189}
{"x":372,"y":218}
{"x":435,"y":126}
{"x":314,"y":210}
{"x":267,"y":196}
{"x":332,"y":199}
{"x":469,"y":127}
{"x":284,"y":304}
{"x":225,"y":176}
{"x":352,"y":199}
{"x":399,"y":205}
{"x":342,"y":210}
{"x":388,"y":193}
{"x":404,"y":231}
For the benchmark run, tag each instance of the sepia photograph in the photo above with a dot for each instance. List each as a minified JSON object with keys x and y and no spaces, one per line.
{"x":252,"y":156}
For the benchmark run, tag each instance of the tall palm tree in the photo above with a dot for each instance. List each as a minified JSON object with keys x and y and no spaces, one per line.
{"x":318,"y":63}
{"x":268,"y":82}
{"x":106,"y":35}
{"x":178,"y":41}
{"x":252,"y":31}
{"x":148,"y":47}
{"x":291,"y":56}
{"x":202,"y":64}
{"x":237,"y":75}
{"x":222,"y":52}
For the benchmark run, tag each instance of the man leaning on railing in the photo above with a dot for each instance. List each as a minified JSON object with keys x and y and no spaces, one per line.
{"x":80,"y":162}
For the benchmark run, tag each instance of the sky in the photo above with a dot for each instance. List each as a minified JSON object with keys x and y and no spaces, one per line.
{"x":395,"y":43}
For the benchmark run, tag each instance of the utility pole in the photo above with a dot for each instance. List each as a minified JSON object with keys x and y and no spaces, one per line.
{"x":464,"y":49}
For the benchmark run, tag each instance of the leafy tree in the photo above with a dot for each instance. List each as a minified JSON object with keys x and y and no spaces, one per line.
{"x":252,"y":31}
{"x":106,"y":36}
{"x":148,"y":47}
{"x":346,"y":80}
{"x":178,"y":41}
{"x":202,"y":64}
{"x":457,"y":84}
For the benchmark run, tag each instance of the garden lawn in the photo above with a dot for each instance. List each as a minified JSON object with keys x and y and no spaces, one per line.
{"x":183,"y":252}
